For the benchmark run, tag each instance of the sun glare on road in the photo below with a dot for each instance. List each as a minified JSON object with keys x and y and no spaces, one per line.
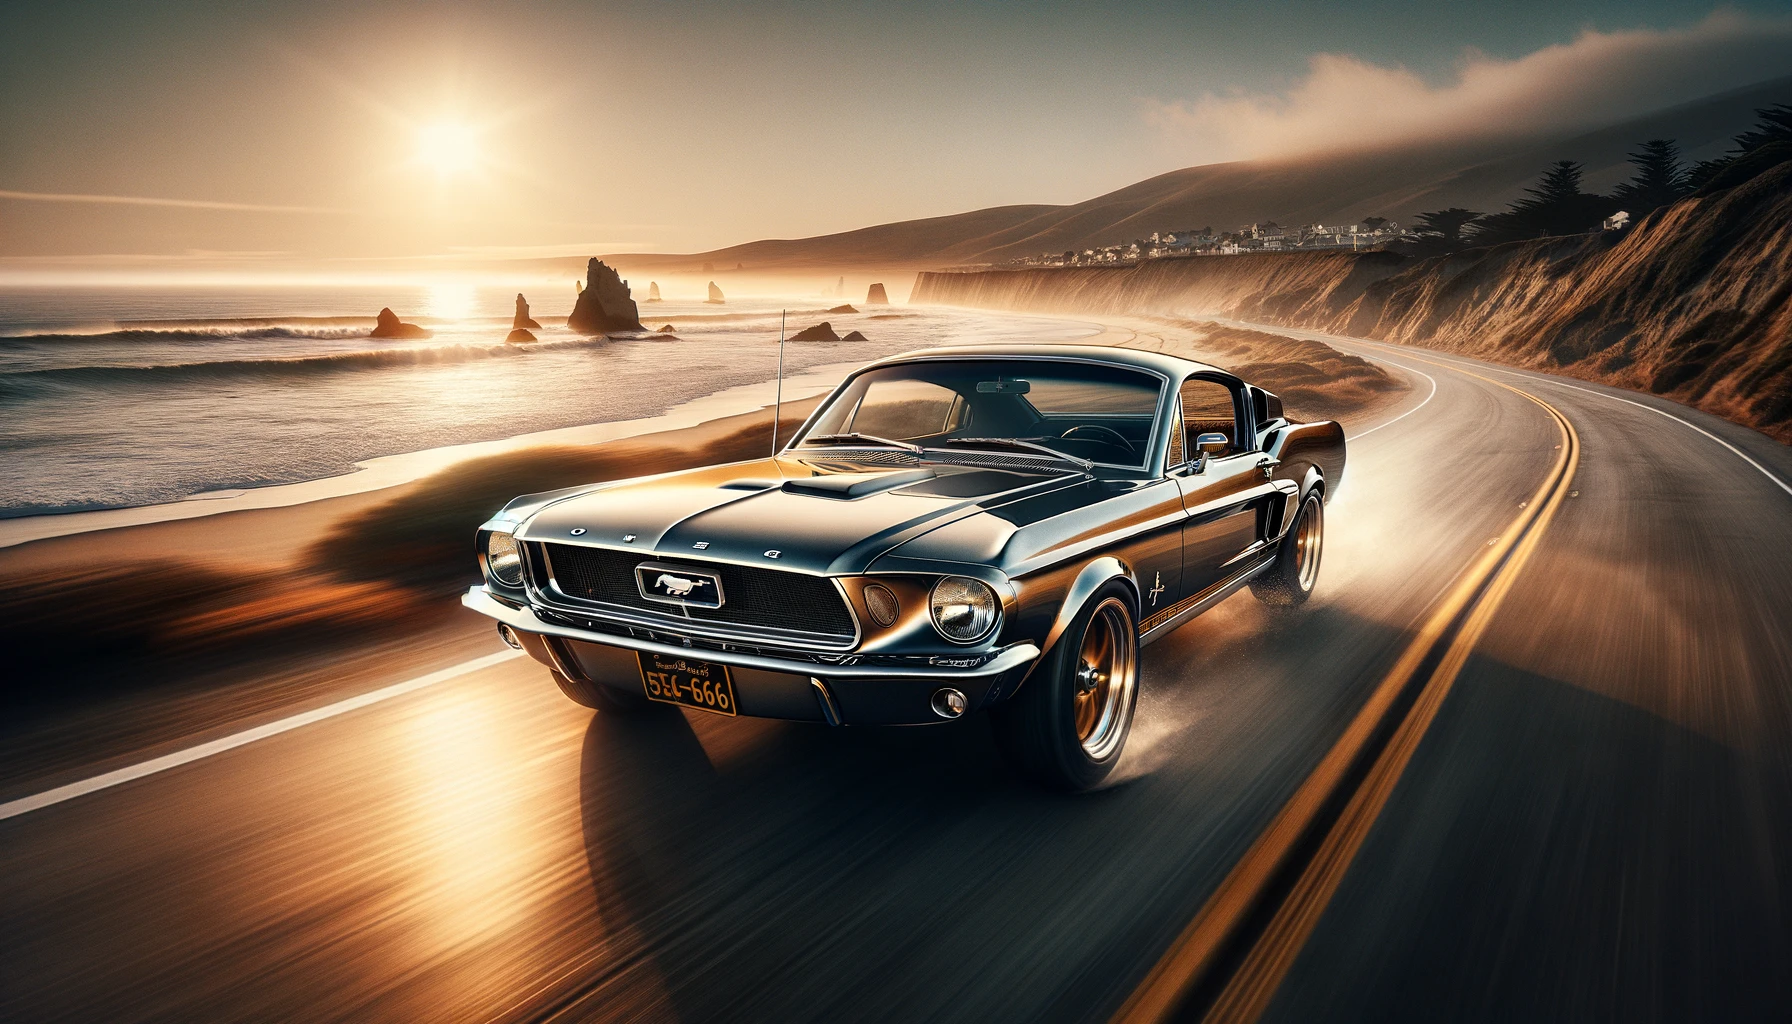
{"x":450,"y":148}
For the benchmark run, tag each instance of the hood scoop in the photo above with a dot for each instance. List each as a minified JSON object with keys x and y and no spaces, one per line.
{"x":850,"y":486}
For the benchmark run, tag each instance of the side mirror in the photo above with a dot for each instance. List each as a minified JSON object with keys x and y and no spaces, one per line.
{"x":1211,"y":444}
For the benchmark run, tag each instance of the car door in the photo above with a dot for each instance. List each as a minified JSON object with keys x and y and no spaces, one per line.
{"x":1156,"y":553}
{"x":1222,"y":493}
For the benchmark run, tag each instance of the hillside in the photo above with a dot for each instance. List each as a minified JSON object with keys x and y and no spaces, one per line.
{"x":1394,"y":182}
{"x":1694,"y":303}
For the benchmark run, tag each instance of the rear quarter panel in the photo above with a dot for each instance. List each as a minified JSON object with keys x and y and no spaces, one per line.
{"x":1306,"y":446}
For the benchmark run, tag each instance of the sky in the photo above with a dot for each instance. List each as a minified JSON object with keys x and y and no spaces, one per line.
{"x":362,"y":134}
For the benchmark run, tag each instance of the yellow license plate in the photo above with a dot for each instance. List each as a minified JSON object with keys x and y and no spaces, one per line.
{"x":687,"y":683}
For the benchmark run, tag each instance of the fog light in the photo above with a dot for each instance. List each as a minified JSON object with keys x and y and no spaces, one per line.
{"x":509,"y":637}
{"x":882,"y":605}
{"x":949,"y":703}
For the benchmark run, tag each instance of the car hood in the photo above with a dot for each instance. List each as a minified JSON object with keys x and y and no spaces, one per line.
{"x":829,"y":518}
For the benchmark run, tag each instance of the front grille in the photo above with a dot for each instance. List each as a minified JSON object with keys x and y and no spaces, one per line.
{"x":757,"y":598}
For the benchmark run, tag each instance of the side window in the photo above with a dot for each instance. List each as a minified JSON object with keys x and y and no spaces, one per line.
{"x":906,"y":409}
{"x":1176,"y":456}
{"x":1208,"y":407}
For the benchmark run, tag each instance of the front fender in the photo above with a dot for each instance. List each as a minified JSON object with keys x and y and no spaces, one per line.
{"x":1092,"y":577}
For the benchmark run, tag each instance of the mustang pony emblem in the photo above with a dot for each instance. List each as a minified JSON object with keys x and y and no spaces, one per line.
{"x":678,"y":585}
{"x":675,"y":584}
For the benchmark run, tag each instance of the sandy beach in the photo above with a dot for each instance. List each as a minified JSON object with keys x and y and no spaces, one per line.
{"x":273,"y":526}
{"x":351,"y":491}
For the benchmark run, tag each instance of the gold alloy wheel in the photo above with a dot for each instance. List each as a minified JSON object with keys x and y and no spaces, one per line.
{"x":1307,"y":544}
{"x":1106,"y":673}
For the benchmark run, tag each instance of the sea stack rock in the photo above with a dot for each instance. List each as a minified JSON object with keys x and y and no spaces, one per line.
{"x":518,"y":336}
{"x":389,"y":326}
{"x":653,"y":291}
{"x":522,"y":321}
{"x":876,"y":296}
{"x":604,"y":304}
{"x":843,"y":309}
{"x":823,"y":331}
{"x":715,"y":295}
{"x":855,"y":336}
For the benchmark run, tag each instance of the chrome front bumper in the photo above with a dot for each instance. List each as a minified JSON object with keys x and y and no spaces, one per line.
{"x":880,"y":694}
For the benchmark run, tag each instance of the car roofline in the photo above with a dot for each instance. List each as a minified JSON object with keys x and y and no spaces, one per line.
{"x":1173,"y":367}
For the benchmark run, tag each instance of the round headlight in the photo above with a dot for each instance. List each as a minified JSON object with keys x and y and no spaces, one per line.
{"x":964,"y":609}
{"x":504,"y":559}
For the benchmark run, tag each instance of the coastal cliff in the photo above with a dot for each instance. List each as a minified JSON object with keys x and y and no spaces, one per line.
{"x":1694,"y":302}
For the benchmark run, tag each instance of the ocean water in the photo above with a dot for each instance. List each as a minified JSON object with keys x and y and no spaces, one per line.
{"x":121,"y":397}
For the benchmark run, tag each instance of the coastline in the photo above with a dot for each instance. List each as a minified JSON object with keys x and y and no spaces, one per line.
{"x":273,"y":525}
{"x":391,"y":471}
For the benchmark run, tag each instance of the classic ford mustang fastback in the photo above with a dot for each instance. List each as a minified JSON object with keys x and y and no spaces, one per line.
{"x":954,"y":530}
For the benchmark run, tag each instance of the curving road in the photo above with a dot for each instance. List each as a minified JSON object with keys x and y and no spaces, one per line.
{"x":1594,"y":823}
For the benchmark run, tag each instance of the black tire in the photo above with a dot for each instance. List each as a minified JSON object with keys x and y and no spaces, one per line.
{"x":599,"y":697}
{"x":1291,"y":579}
{"x":1067,"y":727}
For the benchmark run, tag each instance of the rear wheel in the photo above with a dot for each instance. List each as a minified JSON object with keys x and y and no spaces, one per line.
{"x":1067,"y":727}
{"x":1291,"y":579}
{"x":599,"y":697}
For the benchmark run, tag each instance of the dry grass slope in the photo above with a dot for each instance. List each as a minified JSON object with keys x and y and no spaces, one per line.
{"x":1314,"y":380}
{"x":1694,"y":303}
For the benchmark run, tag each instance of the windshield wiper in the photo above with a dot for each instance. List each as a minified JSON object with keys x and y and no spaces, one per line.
{"x":856,"y":438}
{"x":1014,"y":442}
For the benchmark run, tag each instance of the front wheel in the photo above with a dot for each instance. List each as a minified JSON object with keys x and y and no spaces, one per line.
{"x":1290,"y":579}
{"x":599,"y":697}
{"x":1068,"y":726}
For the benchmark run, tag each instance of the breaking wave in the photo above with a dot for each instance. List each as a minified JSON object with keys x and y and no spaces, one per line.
{"x":29,"y":382}
{"x":198,"y":330}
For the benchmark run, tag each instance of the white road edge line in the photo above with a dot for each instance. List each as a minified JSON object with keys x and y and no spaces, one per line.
{"x":1326,"y":339}
{"x":27,"y":804}
{"x":1409,"y":412}
{"x":1545,"y":379}
{"x":1540,"y":378}
{"x":1744,"y":456}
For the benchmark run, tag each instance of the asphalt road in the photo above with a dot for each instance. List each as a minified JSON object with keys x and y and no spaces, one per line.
{"x":1597,"y":824}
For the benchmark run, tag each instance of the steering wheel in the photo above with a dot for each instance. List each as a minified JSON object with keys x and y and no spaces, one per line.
{"x":1106,"y":434}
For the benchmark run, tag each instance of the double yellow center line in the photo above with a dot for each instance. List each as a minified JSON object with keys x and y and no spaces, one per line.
{"x":1227,"y":963}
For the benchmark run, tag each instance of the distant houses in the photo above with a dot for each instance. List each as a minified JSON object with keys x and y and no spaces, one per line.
{"x":1265,"y":236}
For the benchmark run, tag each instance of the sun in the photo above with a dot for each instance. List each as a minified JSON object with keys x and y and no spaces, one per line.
{"x":450,"y":148}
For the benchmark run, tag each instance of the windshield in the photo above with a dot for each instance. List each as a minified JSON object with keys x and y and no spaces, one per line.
{"x":1084,"y":411}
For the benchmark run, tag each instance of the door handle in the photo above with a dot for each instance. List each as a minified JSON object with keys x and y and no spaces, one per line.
{"x":1268,"y":466}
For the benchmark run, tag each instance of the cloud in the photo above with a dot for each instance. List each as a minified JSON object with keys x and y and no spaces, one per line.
{"x":517,"y":252}
{"x":1600,"y":77}
{"x":185,"y":204}
{"x":457,"y":218}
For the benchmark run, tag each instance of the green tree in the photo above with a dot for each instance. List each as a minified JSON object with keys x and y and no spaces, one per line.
{"x":1768,"y":144}
{"x":1555,"y":206}
{"x":1659,"y":178}
{"x":1775,"y":126}
{"x":1445,"y":226}
{"x":1704,"y":171}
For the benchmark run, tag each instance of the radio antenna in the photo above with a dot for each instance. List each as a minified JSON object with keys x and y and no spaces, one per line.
{"x":778,"y":404}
